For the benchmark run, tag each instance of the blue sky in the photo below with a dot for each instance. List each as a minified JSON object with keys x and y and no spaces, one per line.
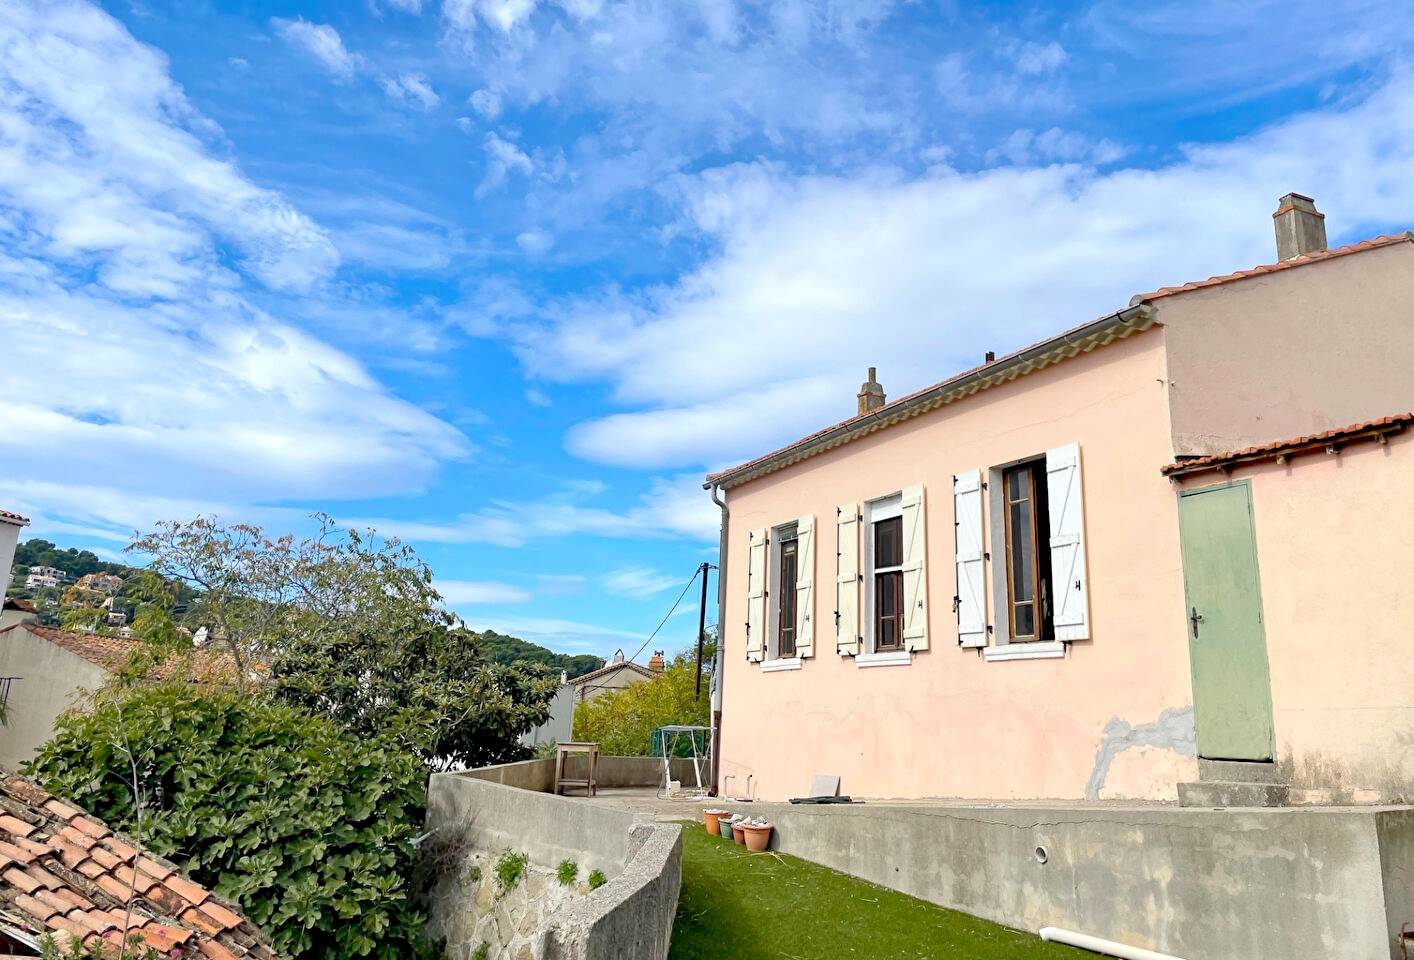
{"x":506,"y":277}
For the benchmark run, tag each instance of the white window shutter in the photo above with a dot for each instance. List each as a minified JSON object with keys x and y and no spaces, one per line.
{"x":970,"y":600}
{"x":756,"y":597}
{"x":847,"y":580}
{"x":805,"y":587}
{"x":915,"y":576}
{"x":1070,"y":591}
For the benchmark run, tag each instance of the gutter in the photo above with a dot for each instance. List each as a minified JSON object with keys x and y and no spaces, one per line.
{"x":717,"y":672}
{"x":1081,"y":339}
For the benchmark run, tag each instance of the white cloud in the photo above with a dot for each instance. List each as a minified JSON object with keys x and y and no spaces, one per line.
{"x":406,"y":6}
{"x":464,"y":592}
{"x":140,"y":372}
{"x":486,"y":103}
{"x":562,"y":636}
{"x":535,"y":241}
{"x":676,"y":507}
{"x":816,"y":277}
{"x":322,"y":42}
{"x":502,"y":157}
{"x":412,"y":89}
{"x":1035,"y":59}
{"x":639,"y":582}
{"x":1055,"y":146}
{"x":537,"y":398}
{"x":463,"y":16}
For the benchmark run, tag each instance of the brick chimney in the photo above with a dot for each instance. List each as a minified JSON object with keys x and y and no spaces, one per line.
{"x":655,"y":662}
{"x":1301,"y":229}
{"x":871,"y":394}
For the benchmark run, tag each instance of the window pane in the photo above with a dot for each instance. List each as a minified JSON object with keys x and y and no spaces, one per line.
{"x":785,"y":609}
{"x":888,"y":542}
{"x":1025,"y":620}
{"x":1023,"y":551}
{"x":885,"y":597}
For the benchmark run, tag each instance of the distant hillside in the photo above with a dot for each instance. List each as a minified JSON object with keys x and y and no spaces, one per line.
{"x":76,"y":563}
{"x":508,"y":650}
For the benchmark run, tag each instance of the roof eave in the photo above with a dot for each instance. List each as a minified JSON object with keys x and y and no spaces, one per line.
{"x":1107,"y":329}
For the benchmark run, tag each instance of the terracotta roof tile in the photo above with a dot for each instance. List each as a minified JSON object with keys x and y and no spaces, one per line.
{"x":1372,"y":244}
{"x":609,"y":668}
{"x":1355,"y":432}
{"x":57,"y":887}
{"x":14,"y":518}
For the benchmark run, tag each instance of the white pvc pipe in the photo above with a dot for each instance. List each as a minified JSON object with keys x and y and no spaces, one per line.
{"x":1099,"y":945}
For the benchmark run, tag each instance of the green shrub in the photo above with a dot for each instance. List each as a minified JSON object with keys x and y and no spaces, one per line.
{"x":567,"y":872}
{"x":622,"y":723}
{"x":308,"y":828}
{"x":482,"y":952}
{"x":96,"y":949}
{"x":509,"y":868}
{"x":597,"y":879}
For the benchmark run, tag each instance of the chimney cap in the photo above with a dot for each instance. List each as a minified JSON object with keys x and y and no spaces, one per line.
{"x":1300,"y":227}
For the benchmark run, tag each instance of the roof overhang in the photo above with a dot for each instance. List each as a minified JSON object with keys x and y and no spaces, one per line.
{"x":14,"y":519}
{"x":1083,"y":339}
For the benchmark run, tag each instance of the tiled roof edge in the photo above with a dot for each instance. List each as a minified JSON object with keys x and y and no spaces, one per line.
{"x":1376,"y":430}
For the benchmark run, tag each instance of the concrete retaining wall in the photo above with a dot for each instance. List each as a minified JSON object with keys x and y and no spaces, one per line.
{"x":539,"y":775}
{"x":1199,"y":884}
{"x":500,"y":808}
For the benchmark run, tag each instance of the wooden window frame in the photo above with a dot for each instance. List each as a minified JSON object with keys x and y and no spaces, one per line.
{"x":788,"y":547}
{"x":893,"y":576}
{"x":1038,"y":495}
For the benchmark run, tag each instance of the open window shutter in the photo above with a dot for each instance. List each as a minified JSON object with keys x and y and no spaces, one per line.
{"x":756,"y":597}
{"x":847,"y":581}
{"x":969,"y":602}
{"x":1070,"y":591}
{"x":915,"y":579}
{"x":805,"y":587}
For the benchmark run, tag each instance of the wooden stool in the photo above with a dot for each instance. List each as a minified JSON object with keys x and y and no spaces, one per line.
{"x":562,"y":752}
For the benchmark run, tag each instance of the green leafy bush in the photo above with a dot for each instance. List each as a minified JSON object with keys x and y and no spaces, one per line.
{"x":622,"y":723}
{"x":105,"y":949}
{"x":567,"y":872}
{"x":509,"y":868}
{"x":482,"y":952}
{"x":597,"y":879}
{"x":308,"y":828}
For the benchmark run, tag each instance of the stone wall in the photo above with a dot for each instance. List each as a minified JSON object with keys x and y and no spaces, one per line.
{"x":476,"y":816}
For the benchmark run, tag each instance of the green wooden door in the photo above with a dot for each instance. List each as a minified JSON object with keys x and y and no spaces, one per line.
{"x":1232,"y":697}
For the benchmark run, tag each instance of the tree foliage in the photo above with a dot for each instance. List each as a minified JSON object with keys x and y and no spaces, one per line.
{"x":308,"y":827}
{"x":622,"y":723}
{"x":511,"y":650}
{"x":351,"y":628}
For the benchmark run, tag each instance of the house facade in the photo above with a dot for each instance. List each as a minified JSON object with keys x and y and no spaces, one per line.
{"x":990,"y":589}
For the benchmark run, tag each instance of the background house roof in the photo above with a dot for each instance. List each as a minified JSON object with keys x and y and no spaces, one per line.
{"x":64,"y":873}
{"x":112,"y":653}
{"x":1376,"y":430}
{"x":604,"y":671}
{"x":8,"y":517}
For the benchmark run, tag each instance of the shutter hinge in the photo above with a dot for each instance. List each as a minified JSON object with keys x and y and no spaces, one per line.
{"x":956,"y":604}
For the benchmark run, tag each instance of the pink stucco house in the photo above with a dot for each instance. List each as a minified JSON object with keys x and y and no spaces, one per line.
{"x":1162,"y":555}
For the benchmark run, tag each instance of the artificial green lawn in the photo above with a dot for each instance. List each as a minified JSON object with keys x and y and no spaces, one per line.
{"x":754,"y":906}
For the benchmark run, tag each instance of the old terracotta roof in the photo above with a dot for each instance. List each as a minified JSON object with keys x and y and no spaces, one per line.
{"x":14,"y":518}
{"x":1376,"y":430}
{"x":65,"y":874}
{"x":1061,"y":346}
{"x":112,"y":653}
{"x":609,"y":668}
{"x":19,"y":603}
{"x":1362,"y":246}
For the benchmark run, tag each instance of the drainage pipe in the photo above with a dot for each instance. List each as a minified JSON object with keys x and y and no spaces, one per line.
{"x":716,"y":696}
{"x":1098,"y":945}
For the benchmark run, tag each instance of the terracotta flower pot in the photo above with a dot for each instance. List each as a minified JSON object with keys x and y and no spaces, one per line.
{"x":710,"y":818}
{"x":738,"y":833}
{"x":757,"y":837}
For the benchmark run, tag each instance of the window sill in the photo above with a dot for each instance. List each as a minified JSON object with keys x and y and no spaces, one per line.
{"x":771,"y":666}
{"x":890,"y":658}
{"x":1050,"y":650}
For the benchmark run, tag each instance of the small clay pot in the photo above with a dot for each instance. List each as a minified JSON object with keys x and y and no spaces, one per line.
{"x":738,"y":833}
{"x":757,"y":837}
{"x":710,"y":818}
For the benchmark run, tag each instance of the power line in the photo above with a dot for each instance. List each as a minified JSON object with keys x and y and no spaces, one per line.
{"x":686,"y":587}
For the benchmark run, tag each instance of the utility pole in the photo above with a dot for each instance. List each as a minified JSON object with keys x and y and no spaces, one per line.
{"x":701,"y":626}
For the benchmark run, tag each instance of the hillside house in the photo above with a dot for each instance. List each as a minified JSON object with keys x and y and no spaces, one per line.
{"x":615,"y":675}
{"x":1160,"y":555}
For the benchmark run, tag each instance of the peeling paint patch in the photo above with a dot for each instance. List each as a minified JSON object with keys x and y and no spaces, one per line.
{"x":1174,"y":730}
